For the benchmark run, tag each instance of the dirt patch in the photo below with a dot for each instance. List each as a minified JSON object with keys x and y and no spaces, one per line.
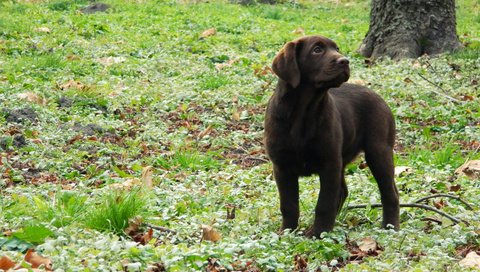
{"x":25,"y":115}
{"x":65,"y":102}
{"x":89,"y":129}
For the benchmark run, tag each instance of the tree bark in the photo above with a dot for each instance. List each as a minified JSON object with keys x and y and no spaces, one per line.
{"x":410,"y":28}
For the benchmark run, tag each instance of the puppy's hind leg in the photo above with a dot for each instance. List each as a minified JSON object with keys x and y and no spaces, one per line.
{"x":380,"y":162}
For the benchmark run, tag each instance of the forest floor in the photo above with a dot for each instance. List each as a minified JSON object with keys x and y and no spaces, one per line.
{"x":131,"y":139}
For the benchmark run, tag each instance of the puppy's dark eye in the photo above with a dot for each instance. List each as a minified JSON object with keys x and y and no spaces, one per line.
{"x":338,"y":49}
{"x":317,"y":50}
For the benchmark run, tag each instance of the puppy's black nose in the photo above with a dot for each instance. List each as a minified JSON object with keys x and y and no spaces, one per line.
{"x":343,"y":61}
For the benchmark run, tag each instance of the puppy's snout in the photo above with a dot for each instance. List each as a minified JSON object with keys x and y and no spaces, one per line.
{"x":343,"y":61}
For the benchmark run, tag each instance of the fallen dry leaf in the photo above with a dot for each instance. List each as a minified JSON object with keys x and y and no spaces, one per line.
{"x":147,"y":176}
{"x":300,"y":263}
{"x":37,"y":261}
{"x":133,"y":226}
{"x":299,"y":31}
{"x":143,"y":238}
{"x":367,"y":245}
{"x":127,"y":184}
{"x":471,"y":169}
{"x":43,"y":29}
{"x":439,"y":204}
{"x":262,"y":71}
{"x":230,"y":211}
{"x":229,"y":63}
{"x":32,"y":97}
{"x":107,"y":61}
{"x":205,"y":132}
{"x":471,"y":260}
{"x":236,"y":115}
{"x":210,"y":234}
{"x":156,"y":267}
{"x":209,"y":32}
{"x":455,"y":188}
{"x":402,"y":170}
{"x":145,"y":180}
{"x":214,"y":266}
{"x":72,"y":84}
{"x":6,"y":263}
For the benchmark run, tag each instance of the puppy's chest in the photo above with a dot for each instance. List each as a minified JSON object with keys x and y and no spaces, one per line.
{"x":306,"y":154}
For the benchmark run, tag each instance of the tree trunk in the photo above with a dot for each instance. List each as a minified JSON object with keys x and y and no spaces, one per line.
{"x":410,"y":28}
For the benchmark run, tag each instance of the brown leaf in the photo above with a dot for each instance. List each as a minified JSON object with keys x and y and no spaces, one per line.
{"x":299,"y":31}
{"x":301,"y":264}
{"x":367,"y":245}
{"x":209,"y":32}
{"x":74,"y":139}
{"x":147,"y":176}
{"x":471,"y":169}
{"x":6,"y":263}
{"x":127,"y":184}
{"x":230,"y":211}
{"x":455,"y":188}
{"x":439,"y":204}
{"x":72,"y":84}
{"x":262,"y":71}
{"x":156,"y":267}
{"x":36,"y":260}
{"x":236,"y":115}
{"x":205,"y":132}
{"x":32,"y":97}
{"x":210,"y":234}
{"x":220,"y":66}
{"x":144,"y":238}
{"x":133,"y":226}
{"x":471,"y":260}
{"x":214,"y":266}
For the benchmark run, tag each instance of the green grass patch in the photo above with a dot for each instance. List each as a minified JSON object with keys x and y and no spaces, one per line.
{"x":112,"y":211}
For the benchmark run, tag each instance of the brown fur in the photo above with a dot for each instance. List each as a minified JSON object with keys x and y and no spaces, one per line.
{"x":317,"y":124}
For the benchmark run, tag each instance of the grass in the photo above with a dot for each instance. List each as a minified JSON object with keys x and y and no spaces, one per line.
{"x":138,"y":86}
{"x":113,"y":210}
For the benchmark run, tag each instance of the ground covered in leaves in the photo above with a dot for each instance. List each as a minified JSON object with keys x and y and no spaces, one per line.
{"x":131,"y":139}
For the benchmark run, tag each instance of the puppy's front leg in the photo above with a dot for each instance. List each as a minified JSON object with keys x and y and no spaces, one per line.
{"x":287,"y":184}
{"x":328,"y":200}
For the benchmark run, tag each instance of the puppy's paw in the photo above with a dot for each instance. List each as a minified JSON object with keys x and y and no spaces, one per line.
{"x":315,"y":232}
{"x":311,"y":232}
{"x":289,"y":229}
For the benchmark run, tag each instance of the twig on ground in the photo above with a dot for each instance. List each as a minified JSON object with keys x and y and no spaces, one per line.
{"x":256,"y":158}
{"x":431,"y":219}
{"x":160,"y":228}
{"x":445,"y":195}
{"x":411,"y":205}
{"x":439,"y":93}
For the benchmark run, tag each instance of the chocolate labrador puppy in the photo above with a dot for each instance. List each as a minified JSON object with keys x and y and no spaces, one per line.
{"x":317,"y":124}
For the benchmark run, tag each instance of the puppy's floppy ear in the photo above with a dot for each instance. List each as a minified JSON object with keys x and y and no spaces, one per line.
{"x":285,"y":64}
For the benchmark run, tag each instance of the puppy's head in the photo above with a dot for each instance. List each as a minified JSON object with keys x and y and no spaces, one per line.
{"x":311,"y":60}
